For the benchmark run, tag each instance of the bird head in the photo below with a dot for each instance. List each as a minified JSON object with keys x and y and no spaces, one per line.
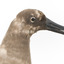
{"x":30,"y":21}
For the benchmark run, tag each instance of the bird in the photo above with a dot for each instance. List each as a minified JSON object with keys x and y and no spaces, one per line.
{"x":15,"y":47}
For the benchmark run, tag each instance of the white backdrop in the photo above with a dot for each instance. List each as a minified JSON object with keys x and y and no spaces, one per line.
{"x":46,"y":47}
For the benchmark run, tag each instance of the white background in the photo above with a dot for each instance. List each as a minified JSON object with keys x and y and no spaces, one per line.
{"x":46,"y":47}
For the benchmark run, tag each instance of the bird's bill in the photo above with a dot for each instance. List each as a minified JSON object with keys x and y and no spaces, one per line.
{"x":50,"y":25}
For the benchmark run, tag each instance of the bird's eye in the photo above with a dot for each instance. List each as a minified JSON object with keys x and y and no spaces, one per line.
{"x":32,"y":19}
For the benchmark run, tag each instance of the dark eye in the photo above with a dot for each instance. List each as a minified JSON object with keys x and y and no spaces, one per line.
{"x":32,"y":19}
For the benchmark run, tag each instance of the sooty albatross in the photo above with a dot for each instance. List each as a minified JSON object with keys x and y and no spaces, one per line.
{"x":15,"y":45}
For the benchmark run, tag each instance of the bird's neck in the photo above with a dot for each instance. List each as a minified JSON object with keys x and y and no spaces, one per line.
{"x":17,"y":45}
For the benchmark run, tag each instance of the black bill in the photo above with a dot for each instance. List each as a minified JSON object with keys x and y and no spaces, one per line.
{"x":50,"y":25}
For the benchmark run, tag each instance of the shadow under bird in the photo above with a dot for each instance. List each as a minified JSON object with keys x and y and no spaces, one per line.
{"x":15,"y":47}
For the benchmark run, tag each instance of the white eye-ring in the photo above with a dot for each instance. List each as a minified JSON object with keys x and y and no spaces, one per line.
{"x":32,"y":19}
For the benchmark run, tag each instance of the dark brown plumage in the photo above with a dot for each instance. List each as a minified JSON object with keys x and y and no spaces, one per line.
{"x":15,"y":46}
